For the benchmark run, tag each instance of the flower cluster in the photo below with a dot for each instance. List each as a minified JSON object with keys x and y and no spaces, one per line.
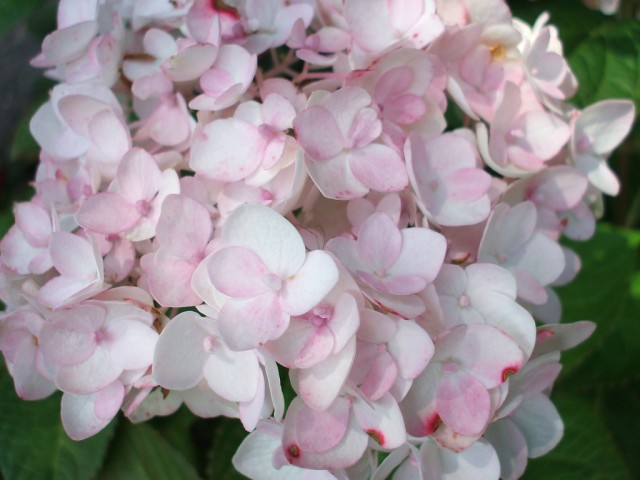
{"x":369,"y":194}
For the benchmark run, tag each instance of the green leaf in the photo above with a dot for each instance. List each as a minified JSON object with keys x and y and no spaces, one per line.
{"x":606,"y":291}
{"x":34,"y":446}
{"x":138,"y":452}
{"x":228,"y":435}
{"x":176,"y":429}
{"x":607,"y":63}
{"x":587,"y":450}
{"x":11,"y":11}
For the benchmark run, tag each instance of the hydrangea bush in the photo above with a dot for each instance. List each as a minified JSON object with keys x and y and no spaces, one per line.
{"x":358,"y":200}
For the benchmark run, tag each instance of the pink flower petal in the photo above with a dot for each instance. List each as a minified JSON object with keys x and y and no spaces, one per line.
{"x":29,"y":382}
{"x":335,"y":178}
{"x":245,"y":324}
{"x":107,"y":213}
{"x":180,"y":355}
{"x":78,"y":412}
{"x":131,"y":343}
{"x":463,"y":403}
{"x":190,"y":63}
{"x":138,"y":176}
{"x":238,"y":272}
{"x":346,"y":453}
{"x":379,"y":167}
{"x":319,"y":385}
{"x":317,"y":347}
{"x":69,"y":338}
{"x":317,"y":430}
{"x":169,"y":280}
{"x":68,"y":43}
{"x":180,"y":214}
{"x":345,"y":321}
{"x":269,"y":235}
{"x":384,"y":422}
{"x":73,"y":256}
{"x":381,"y":376}
{"x":110,"y":138}
{"x":62,"y":290}
{"x":232,"y":375}
{"x":251,"y":411}
{"x":318,"y":133}
{"x":90,"y":376}
{"x":315,"y":279}
{"x":34,"y":222}
{"x":108,"y":401}
{"x":422,"y":254}
{"x":411,"y":348}
{"x":379,"y":242}
{"x":606,"y":124}
{"x":227,"y":149}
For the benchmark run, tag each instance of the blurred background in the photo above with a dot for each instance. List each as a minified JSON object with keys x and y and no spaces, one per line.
{"x":598,"y":393}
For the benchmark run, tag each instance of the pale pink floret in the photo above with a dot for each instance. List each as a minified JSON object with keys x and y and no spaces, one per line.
{"x":19,"y":333}
{"x":469,"y":360}
{"x":555,"y":188}
{"x":228,"y":78}
{"x":77,"y":26}
{"x":91,"y":345}
{"x":338,"y":133}
{"x":597,"y":131}
{"x":88,"y":45}
{"x":260,"y":455}
{"x":382,"y":420}
{"x":320,"y":439}
{"x":323,"y":331}
{"x":170,"y":124}
{"x":390,"y":260}
{"x":83,"y":120}
{"x":449,"y":186}
{"x":520,"y":140}
{"x":557,"y":193}
{"x":407,"y":86}
{"x":252,"y":145}
{"x":359,"y":209}
{"x":275,"y":278}
{"x":119,"y":257}
{"x":191,"y":349}
{"x":321,"y":343}
{"x":25,"y":247}
{"x":484,"y":293}
{"x":480,"y":60}
{"x":378,"y":25}
{"x":80,"y":266}
{"x":133,"y":201}
{"x":512,"y":241}
{"x":547,"y":70}
{"x":391,"y":353}
{"x":227,"y":149}
{"x":169,"y":269}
